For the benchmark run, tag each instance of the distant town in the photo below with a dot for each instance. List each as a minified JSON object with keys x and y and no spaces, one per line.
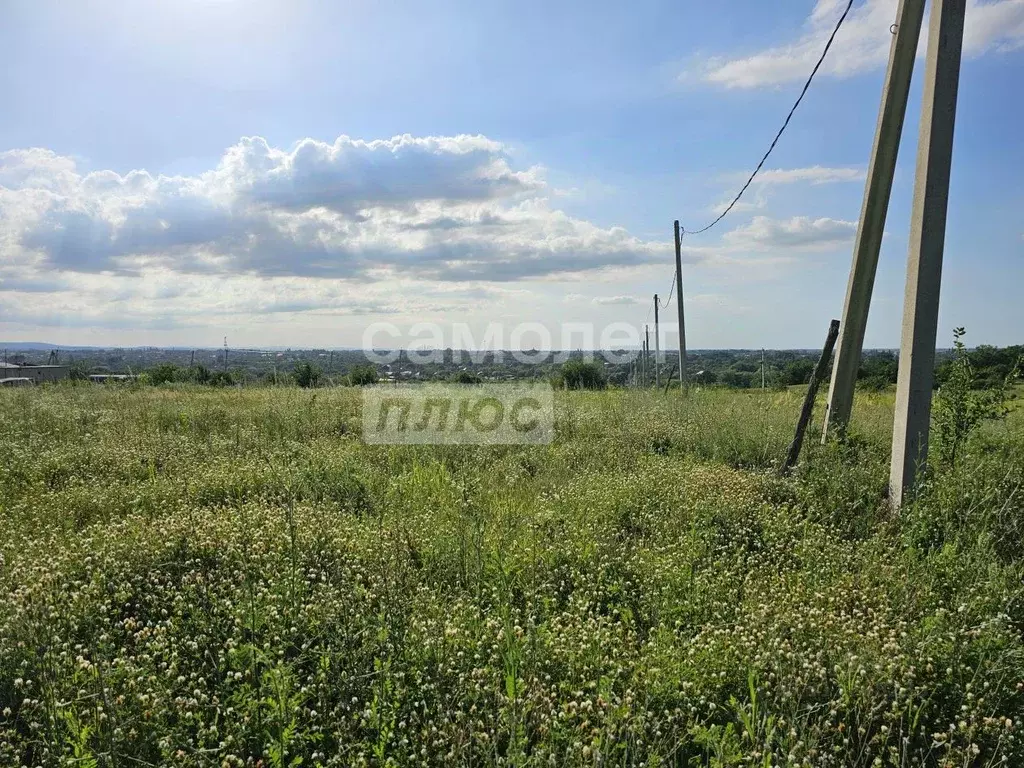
{"x":736,"y":369}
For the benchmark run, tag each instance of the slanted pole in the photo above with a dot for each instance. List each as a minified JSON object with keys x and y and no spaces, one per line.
{"x":812,"y":392}
{"x":877,"y":189}
{"x":643,"y":361}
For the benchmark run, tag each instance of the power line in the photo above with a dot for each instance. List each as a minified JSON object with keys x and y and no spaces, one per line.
{"x":671,"y":290}
{"x":784,"y":124}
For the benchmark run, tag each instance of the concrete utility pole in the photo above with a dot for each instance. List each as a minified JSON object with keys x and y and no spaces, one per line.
{"x":657,"y":346}
{"x":679,"y":307}
{"x":225,"y":354}
{"x":762,"y":368}
{"x":927,"y":239}
{"x":877,"y":189}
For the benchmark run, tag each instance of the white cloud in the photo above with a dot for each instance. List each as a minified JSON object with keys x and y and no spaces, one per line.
{"x":862,"y":43}
{"x":616,"y":300}
{"x":405,"y":228}
{"x":814,"y":174}
{"x":797,"y":233}
{"x":439,"y":208}
{"x":757,"y":198}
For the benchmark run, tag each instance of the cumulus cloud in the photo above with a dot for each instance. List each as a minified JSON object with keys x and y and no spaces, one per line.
{"x":862,"y":43}
{"x":405,"y":227}
{"x":797,"y":233}
{"x":440,"y":208}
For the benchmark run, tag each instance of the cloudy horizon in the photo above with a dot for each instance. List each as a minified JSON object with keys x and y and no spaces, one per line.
{"x":157,"y":189}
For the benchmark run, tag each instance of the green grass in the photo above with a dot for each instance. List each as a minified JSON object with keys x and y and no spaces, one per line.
{"x":198,"y":577}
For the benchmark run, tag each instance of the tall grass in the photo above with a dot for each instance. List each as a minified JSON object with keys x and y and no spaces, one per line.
{"x":230,"y":577}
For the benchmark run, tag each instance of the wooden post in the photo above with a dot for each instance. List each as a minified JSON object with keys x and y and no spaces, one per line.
{"x":668,"y":379}
{"x":679,"y":308}
{"x":812,"y":391}
{"x":870,"y":226}
{"x":927,"y":240}
{"x":647,"y":349}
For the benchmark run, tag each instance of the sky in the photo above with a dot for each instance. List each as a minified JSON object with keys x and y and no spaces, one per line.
{"x":296,"y":172}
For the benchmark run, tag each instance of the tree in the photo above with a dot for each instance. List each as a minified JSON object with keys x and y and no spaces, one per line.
{"x":199,"y":374}
{"x":580,"y":374}
{"x":798,"y":371}
{"x":877,"y":371}
{"x":737,"y":379}
{"x":306,"y":375}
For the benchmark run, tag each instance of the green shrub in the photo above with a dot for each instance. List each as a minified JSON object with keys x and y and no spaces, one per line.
{"x":582,"y":374}
{"x":961,"y":406}
{"x":164,"y":373}
{"x":362,"y":375}
{"x":466,"y":377}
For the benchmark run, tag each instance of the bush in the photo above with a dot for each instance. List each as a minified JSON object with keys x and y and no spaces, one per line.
{"x":880,"y":369}
{"x":798,"y":371}
{"x":221,"y":379}
{"x":580,"y":374}
{"x":874,"y":383}
{"x":961,"y":407}
{"x":163,"y":374}
{"x":466,"y":377}
{"x":78,"y":372}
{"x":362,"y":375}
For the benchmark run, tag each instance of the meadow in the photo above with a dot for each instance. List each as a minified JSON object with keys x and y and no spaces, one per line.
{"x":201,"y":577}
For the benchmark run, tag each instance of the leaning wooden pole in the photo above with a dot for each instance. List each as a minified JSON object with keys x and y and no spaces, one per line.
{"x":812,"y":391}
{"x":668,"y":379}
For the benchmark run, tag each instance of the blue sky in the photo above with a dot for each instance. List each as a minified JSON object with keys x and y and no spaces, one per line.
{"x":547,"y":148}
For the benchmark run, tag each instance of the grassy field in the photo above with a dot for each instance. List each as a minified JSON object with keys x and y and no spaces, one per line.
{"x":196,"y":577}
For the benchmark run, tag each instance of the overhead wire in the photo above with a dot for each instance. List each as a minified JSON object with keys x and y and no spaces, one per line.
{"x":764,"y":158}
{"x":782,"y":130}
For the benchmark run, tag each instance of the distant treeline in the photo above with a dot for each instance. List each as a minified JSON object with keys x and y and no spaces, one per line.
{"x":739,"y":369}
